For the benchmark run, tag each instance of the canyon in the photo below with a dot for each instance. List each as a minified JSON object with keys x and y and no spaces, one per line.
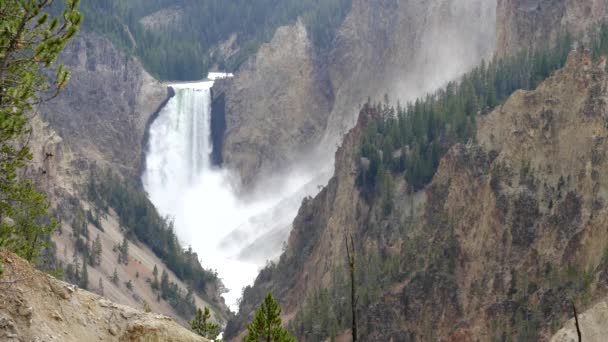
{"x":509,"y":230}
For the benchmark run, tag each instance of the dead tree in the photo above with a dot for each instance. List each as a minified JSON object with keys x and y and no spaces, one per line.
{"x":578,"y":327}
{"x":350,"y":254}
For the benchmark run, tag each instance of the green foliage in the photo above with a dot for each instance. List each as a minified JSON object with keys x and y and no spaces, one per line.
{"x":202,"y":325}
{"x":115,"y":277}
{"x":95,"y":254}
{"x":173,"y":294}
{"x":84,"y":277}
{"x":599,"y":45}
{"x":141,"y":220}
{"x":123,"y":251}
{"x":327,"y":311}
{"x":30,"y":41}
{"x":182,"y":51}
{"x":411,"y":140}
{"x":267,"y":324}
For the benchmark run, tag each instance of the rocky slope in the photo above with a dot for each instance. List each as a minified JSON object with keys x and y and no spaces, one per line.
{"x":37,"y":307}
{"x":529,"y":23}
{"x":99,"y":122}
{"x":289,"y":98}
{"x":511,"y":228}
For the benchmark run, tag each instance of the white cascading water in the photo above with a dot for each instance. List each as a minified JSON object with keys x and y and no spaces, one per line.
{"x":208,"y":215}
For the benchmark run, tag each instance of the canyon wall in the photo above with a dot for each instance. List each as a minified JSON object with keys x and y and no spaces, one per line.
{"x":508,"y":232}
{"x":531,"y":23}
{"x":291,"y":101}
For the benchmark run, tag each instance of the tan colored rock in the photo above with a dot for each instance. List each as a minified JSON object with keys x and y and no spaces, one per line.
{"x":593,"y":324}
{"x":532,"y":23}
{"x":524,"y":204}
{"x":290,"y":101}
{"x":85,"y":317}
{"x":276,"y":106}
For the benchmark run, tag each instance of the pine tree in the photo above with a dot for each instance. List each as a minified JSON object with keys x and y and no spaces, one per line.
{"x":155,"y":284}
{"x":115,"y":277}
{"x":202,"y":325}
{"x":100,"y":286}
{"x":30,"y":41}
{"x":267,"y":325}
{"x":96,"y":251}
{"x":123,"y":251}
{"x":164,"y":285}
{"x":84,"y":276}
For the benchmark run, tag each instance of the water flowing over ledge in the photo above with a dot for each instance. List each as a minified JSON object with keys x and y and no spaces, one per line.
{"x":232,"y":236}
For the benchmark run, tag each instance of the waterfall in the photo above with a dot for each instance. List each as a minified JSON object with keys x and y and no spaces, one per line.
{"x":179,"y":146}
{"x":229,"y":235}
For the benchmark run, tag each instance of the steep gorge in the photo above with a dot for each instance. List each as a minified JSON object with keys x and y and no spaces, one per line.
{"x":291,"y":101}
{"x":510,"y":229}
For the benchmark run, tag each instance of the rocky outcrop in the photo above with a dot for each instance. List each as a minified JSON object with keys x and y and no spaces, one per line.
{"x":276,"y":106}
{"x":592,"y":324}
{"x":164,"y":19}
{"x":511,"y":228}
{"x":530,"y":23}
{"x":291,"y":98}
{"x":37,"y":307}
{"x":104,"y":110}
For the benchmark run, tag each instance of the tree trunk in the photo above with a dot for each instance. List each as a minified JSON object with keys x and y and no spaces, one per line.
{"x":350,"y":253}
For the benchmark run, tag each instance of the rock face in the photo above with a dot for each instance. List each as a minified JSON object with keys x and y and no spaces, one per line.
{"x":104,"y":110}
{"x":592,"y":324}
{"x":291,"y":98}
{"x":529,"y":23}
{"x":38,"y":307}
{"x":276,"y":105}
{"x":510,"y":229}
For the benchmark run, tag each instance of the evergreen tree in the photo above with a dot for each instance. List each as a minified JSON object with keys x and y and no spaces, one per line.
{"x":155,"y":283}
{"x":30,"y":41}
{"x":202,"y":325}
{"x":123,"y":251}
{"x":100,"y":286}
{"x":84,"y":276}
{"x":164,"y":285}
{"x":267,"y":325}
{"x":115,"y":277}
{"x":95,"y":254}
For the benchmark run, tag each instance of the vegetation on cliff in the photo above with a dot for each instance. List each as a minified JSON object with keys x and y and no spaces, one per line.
{"x":140,"y":220}
{"x":418,"y":277}
{"x":183,"y":51}
{"x":411,"y":140}
{"x":30,"y":41}
{"x":267,"y":324}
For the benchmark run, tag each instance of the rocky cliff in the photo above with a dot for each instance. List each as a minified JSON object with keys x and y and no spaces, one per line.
{"x":291,"y":98}
{"x":107,"y":104}
{"x":510,"y":230}
{"x":530,"y":23}
{"x":37,"y":307}
{"x":276,"y":106}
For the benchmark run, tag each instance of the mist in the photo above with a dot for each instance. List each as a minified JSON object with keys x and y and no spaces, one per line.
{"x":233,"y":235}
